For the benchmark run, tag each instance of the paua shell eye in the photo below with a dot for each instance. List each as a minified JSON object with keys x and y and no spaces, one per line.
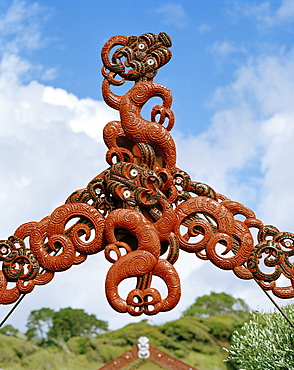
{"x":150,"y":61}
{"x":133,"y":172}
{"x":4,"y":250}
{"x":127,"y":194}
{"x":141,"y":46}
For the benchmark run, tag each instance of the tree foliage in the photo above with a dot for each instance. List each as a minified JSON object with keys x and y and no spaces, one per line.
{"x":218,"y":303}
{"x":58,"y":326}
{"x":38,"y":324}
{"x":266,"y":342}
{"x":70,"y":322}
{"x":8,"y":330}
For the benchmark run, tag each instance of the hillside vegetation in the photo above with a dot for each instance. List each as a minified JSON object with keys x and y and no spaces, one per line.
{"x":197,"y":339}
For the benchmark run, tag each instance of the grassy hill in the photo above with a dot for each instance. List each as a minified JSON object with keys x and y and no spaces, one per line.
{"x":197,"y":341}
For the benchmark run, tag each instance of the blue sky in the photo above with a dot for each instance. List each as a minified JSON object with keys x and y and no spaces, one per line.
{"x":232,"y":79}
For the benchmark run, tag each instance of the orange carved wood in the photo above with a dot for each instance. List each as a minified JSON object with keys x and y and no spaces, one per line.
{"x":143,"y":205}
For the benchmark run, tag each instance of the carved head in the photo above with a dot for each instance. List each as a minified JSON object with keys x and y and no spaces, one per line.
{"x":138,"y":58}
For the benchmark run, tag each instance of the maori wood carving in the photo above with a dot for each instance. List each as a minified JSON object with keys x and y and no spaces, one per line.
{"x":143,"y":210}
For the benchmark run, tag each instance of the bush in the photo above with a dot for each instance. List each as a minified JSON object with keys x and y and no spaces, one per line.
{"x":266,"y":342}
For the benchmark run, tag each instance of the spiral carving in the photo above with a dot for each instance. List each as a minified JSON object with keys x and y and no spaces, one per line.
{"x":142,"y":210}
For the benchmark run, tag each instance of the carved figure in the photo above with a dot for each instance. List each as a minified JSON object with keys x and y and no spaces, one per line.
{"x":143,"y":347}
{"x":142,"y":210}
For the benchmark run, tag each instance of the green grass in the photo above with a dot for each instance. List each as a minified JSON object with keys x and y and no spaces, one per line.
{"x":196,"y":341}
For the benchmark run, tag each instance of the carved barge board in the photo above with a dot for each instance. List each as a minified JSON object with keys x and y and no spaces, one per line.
{"x":142,"y":209}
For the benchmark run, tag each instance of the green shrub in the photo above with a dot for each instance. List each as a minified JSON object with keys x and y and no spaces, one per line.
{"x":266,"y":342}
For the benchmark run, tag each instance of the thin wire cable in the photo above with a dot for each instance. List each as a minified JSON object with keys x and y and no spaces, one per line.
{"x":22,"y":297}
{"x":12,"y":309}
{"x":275,"y":304}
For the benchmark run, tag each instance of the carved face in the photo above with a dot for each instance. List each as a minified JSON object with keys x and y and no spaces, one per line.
{"x":133,"y":184}
{"x":141,"y":56}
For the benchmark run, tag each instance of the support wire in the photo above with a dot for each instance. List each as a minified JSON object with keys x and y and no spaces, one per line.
{"x":275,"y":304}
{"x":12,"y":309}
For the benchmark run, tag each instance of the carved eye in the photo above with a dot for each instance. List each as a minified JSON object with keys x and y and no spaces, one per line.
{"x":150,"y":62}
{"x":133,"y":172}
{"x":98,"y":191}
{"x":178,"y":180}
{"x":127,"y":194}
{"x":4,"y":250}
{"x":141,"y":46}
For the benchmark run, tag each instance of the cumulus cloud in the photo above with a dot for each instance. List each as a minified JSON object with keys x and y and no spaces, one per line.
{"x":89,"y":116}
{"x":253,"y":120}
{"x":20,"y":27}
{"x":42,"y":128}
{"x":263,"y":89}
{"x":268,"y":14}
{"x":224,"y":49}
{"x":21,"y":32}
{"x":204,"y":28}
{"x":246,"y":153}
{"x":173,"y":14}
{"x":51,"y":144}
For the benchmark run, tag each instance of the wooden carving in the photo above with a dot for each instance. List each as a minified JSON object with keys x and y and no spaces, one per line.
{"x":143,"y":207}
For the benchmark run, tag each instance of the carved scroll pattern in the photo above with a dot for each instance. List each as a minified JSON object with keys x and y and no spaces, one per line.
{"x":142,"y":210}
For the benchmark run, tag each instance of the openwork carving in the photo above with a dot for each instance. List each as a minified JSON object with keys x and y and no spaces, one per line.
{"x":142,"y":210}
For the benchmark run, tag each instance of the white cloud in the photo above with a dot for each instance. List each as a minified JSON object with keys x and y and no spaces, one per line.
{"x":48,"y":74}
{"x":246,"y":154}
{"x":225,"y":48}
{"x":86,"y":111}
{"x":286,"y":11}
{"x":252,"y":128}
{"x":51,"y":144}
{"x":40,"y":142}
{"x":20,"y":26}
{"x":223,"y":151}
{"x":173,"y":14}
{"x":21,"y":33}
{"x":268,"y":14}
{"x":203,"y":28}
{"x":210,"y":278}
